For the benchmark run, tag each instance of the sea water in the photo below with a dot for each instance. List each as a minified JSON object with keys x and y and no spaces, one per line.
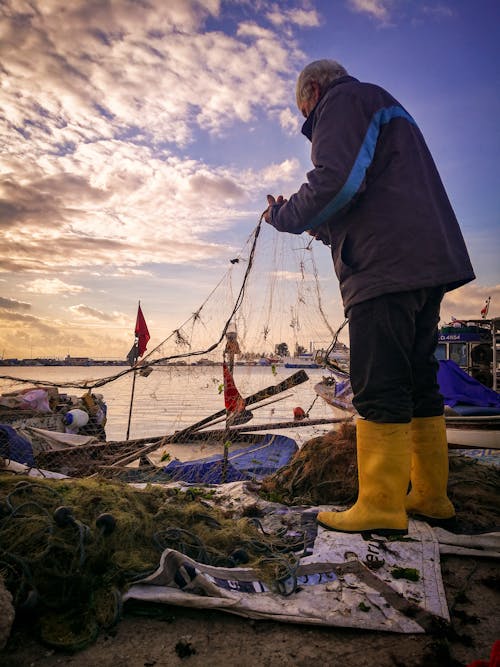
{"x":174,"y":397}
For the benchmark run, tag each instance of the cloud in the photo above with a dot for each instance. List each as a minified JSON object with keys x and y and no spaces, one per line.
{"x":305,"y":18}
{"x":439,"y":11}
{"x":28,"y":322}
{"x":282,"y":173}
{"x":384,"y":11}
{"x":98,"y":118}
{"x":294,"y":276}
{"x":211,"y":187}
{"x":50,"y":200}
{"x":12,"y":304}
{"x":127,"y":207}
{"x":119,"y":69}
{"x":26,"y":336}
{"x":467,"y":302}
{"x":87,"y":312}
{"x":379,"y":9}
{"x":289,"y":121}
{"x":52,"y":286}
{"x":128,"y":271}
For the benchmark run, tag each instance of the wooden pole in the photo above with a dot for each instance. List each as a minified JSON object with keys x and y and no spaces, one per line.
{"x":225,"y":461}
{"x":225,"y":455}
{"x":255,"y":407}
{"x":131,"y":403}
{"x":278,"y":425}
{"x":230,"y":364}
{"x":136,"y":351}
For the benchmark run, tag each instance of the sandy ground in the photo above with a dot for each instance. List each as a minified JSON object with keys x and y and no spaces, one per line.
{"x":158,"y":635}
{"x":177,"y":636}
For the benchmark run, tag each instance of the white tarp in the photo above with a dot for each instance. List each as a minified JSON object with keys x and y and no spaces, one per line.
{"x":336,"y":585}
{"x":485,"y":545}
{"x":57,"y":440}
{"x":343,"y":580}
{"x":22,"y":469}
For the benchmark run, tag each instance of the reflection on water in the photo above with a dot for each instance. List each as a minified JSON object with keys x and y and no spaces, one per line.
{"x":171,"y":398}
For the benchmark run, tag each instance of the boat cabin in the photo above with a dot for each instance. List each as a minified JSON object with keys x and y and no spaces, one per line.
{"x":474,"y":345}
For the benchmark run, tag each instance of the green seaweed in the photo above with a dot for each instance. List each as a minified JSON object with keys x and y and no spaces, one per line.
{"x":410,"y":573}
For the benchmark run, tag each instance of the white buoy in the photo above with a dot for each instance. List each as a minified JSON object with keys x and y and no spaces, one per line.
{"x":74,"y":419}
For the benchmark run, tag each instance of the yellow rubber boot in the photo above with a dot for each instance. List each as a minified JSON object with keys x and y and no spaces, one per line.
{"x":383,"y":474}
{"x":429,"y":471}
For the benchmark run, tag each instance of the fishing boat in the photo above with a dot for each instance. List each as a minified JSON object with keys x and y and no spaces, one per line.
{"x":246,"y":457}
{"x":198,"y":458}
{"x":468,"y":352}
{"x":336,"y":390}
{"x":306,"y":360}
{"x":40,"y":418}
{"x":466,"y":425}
{"x":472,"y":410}
{"x":474,"y":345}
{"x":200,"y":454}
{"x":473,"y":431}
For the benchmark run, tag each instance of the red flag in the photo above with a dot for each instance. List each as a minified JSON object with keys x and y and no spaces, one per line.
{"x":234,"y":402}
{"x":232,"y":397}
{"x":141,"y":332}
{"x":484,"y":311}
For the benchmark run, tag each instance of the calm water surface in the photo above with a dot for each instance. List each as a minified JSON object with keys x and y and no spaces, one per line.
{"x":174,"y":397}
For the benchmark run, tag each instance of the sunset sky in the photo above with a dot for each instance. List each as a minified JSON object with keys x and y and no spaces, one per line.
{"x":139,"y":140}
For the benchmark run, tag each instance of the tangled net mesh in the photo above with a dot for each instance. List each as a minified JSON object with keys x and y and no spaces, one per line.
{"x":69,"y":548}
{"x":271,"y":294}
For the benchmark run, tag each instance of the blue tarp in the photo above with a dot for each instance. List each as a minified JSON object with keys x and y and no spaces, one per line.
{"x":253,"y":462}
{"x":459,"y":388}
{"x":14,"y":447}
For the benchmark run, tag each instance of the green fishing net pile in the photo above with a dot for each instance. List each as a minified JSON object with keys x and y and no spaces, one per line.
{"x":69,"y":548}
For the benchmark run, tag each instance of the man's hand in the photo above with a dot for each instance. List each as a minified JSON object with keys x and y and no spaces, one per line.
{"x":272,"y":202}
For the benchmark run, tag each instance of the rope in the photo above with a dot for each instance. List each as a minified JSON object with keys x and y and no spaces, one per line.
{"x":327,"y":363}
{"x":89,"y":385}
{"x":63,"y":556}
{"x":311,"y":406}
{"x":318,"y":296}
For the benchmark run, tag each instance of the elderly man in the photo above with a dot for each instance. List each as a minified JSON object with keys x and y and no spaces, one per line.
{"x":375,"y":197}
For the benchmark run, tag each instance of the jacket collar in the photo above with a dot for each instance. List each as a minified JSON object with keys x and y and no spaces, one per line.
{"x":307,"y":127}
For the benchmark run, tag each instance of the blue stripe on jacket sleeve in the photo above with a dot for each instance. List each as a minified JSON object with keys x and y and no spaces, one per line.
{"x":361,"y":164}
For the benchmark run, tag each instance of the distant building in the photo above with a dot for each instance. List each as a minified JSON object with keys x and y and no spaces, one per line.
{"x":77,"y":361}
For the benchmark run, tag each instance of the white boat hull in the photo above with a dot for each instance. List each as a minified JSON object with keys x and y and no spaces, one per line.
{"x":477,"y":432}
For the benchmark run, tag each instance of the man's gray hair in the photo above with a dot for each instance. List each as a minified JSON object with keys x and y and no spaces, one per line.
{"x":322,"y":72}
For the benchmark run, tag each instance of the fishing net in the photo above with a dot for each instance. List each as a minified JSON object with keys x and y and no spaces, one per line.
{"x":219,"y":375}
{"x":271,"y":294}
{"x":323,"y":472}
{"x":69,"y":548}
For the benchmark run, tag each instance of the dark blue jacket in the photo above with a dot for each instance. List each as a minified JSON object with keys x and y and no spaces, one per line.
{"x":375,"y":196}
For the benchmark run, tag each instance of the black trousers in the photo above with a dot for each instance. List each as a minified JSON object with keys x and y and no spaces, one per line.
{"x":392,"y":364}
